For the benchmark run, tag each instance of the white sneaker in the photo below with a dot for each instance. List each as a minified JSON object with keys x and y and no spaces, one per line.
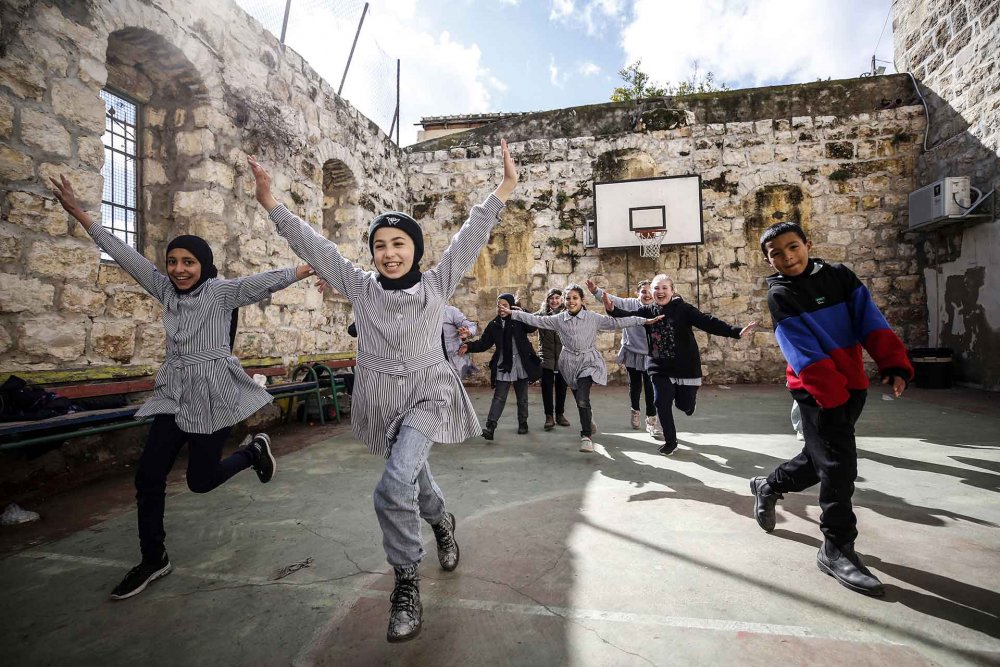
{"x":651,"y":424}
{"x":586,"y":445}
{"x":799,"y":435}
{"x":636,"y":420}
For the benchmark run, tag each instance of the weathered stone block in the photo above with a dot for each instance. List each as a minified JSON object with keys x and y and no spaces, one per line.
{"x":82,"y":300}
{"x":114,"y":340}
{"x":36,"y":213}
{"x":24,"y":294}
{"x":198,"y":202}
{"x":5,"y":340}
{"x":63,"y":338}
{"x":6,"y":118}
{"x":10,"y":247}
{"x":197,"y":142}
{"x":14,"y":165}
{"x":134,"y":305}
{"x":79,"y":104}
{"x":87,"y":183}
{"x":69,"y":260}
{"x":217,"y":173}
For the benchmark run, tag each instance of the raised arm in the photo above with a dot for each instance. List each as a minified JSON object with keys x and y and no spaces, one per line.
{"x":251,"y":289}
{"x":319,"y":252}
{"x":466,"y":245}
{"x":141,"y":269}
{"x":714,"y":325}
{"x":599,"y":293}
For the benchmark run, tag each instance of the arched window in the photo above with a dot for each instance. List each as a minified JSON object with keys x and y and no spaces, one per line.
{"x":120,"y":200}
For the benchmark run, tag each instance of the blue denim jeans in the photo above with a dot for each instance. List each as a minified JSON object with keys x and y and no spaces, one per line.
{"x":405,"y":494}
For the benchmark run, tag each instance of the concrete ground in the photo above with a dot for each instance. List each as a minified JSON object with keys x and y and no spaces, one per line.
{"x":622,"y":557}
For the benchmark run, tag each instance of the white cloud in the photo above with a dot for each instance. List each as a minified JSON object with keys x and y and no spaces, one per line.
{"x":589,"y":69}
{"x":593,"y":16}
{"x":439,"y":74}
{"x":755,"y":42}
{"x":554,"y":77}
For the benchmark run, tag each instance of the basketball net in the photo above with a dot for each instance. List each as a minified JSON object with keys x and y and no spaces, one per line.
{"x":650,"y":242}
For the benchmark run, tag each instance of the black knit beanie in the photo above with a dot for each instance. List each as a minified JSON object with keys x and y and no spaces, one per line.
{"x":404,"y":223}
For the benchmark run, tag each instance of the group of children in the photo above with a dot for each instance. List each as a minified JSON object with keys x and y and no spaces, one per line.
{"x":408,"y":396}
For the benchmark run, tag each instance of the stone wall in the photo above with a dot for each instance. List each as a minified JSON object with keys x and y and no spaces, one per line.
{"x":951,"y":47}
{"x":838,"y":156}
{"x":213,"y":86}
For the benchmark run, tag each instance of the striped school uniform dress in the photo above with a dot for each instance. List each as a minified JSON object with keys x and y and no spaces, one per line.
{"x":401,"y":376}
{"x":200,"y":382}
{"x":579,"y":358}
{"x":635,"y":346}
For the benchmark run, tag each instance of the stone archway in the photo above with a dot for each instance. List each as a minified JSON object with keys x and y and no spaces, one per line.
{"x":340,"y":199}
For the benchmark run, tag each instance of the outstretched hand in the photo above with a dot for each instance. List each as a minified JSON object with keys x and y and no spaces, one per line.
{"x":503,"y":308}
{"x":463,"y":332}
{"x":898,"y":384}
{"x":462,"y":349}
{"x":654,"y":320}
{"x":591,"y":285}
{"x":509,"y":181}
{"x":263,"y":180}
{"x":747,"y":329}
{"x":63,"y":191}
{"x":609,"y":305}
{"x":303,"y":271}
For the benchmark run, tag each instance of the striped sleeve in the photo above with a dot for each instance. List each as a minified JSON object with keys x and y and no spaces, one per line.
{"x":537,"y":321}
{"x":251,"y":289}
{"x":465,"y":246}
{"x":319,"y":252}
{"x":135,"y":264}
{"x":609,"y":323}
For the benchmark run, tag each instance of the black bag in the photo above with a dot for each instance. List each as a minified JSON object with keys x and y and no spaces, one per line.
{"x":22,"y":401}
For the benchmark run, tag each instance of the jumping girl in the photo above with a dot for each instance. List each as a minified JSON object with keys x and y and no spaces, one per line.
{"x":406,"y":394}
{"x":633,"y":353}
{"x":580,"y":363}
{"x":201,"y":391}
{"x":674,"y":364}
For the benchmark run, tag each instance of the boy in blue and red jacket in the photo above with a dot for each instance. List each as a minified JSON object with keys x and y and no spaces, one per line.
{"x":823,"y":315}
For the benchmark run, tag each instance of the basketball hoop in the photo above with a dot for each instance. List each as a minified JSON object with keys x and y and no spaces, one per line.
{"x":650,"y":241}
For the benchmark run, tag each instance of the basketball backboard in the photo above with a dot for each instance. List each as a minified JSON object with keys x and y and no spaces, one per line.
{"x":622,"y":208}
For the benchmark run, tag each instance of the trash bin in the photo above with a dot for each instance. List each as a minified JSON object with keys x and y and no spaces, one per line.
{"x":932,"y":367}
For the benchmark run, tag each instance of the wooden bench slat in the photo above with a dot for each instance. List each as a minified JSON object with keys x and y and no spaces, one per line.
{"x":62,"y":421}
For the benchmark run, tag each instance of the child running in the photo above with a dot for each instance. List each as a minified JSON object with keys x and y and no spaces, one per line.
{"x":580,"y":363}
{"x":406,"y":394}
{"x":823,"y":316}
{"x":674,"y":364}
{"x":633,"y":354}
{"x":513,"y":363}
{"x":549,"y":347}
{"x":201,"y":390}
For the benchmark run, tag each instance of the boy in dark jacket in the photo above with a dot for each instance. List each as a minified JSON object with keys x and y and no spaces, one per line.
{"x":674,"y":364}
{"x":514,"y":363}
{"x":823,"y":315}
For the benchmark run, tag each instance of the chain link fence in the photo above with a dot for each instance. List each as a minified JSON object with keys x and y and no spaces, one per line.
{"x":322,"y":31}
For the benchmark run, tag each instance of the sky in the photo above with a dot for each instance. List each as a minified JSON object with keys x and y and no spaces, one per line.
{"x":475,"y":56}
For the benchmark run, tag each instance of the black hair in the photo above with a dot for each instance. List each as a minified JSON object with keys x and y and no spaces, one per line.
{"x":642,"y":283}
{"x":573,"y":287}
{"x":776,"y":230}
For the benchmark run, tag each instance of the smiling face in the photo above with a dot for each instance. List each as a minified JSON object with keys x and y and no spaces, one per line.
{"x":663,"y":291}
{"x":555,"y":301}
{"x":574,"y":301}
{"x":392,"y":252}
{"x":788,"y":254}
{"x":645,"y":294}
{"x":183,"y":268}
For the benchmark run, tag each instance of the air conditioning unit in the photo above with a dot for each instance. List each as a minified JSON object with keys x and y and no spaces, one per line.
{"x":943,"y":199}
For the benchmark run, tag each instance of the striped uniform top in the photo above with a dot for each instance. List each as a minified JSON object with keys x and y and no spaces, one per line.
{"x":579,"y":358}
{"x":401,"y":376}
{"x":453,"y":319}
{"x":635,"y":346}
{"x":200,"y":382}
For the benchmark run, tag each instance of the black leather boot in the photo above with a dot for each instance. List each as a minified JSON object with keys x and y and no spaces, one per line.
{"x":764,"y":500}
{"x":406,"y":613}
{"x":844,"y":565}
{"x":522,"y":428}
{"x":444,"y":534}
{"x":488,"y":431}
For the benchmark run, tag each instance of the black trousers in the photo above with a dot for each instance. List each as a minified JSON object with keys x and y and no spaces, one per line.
{"x":553,"y":386}
{"x":582,"y":396}
{"x":637,"y":381}
{"x":666,"y":394}
{"x":830,"y":457}
{"x":205,"y":471}
{"x":500,"y":399}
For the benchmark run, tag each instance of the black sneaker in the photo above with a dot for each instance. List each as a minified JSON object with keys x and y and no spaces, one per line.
{"x":444,"y":534}
{"x":522,"y":428}
{"x":263,"y":460}
{"x":667,"y":448}
{"x":406,"y":612}
{"x":141,"y":576}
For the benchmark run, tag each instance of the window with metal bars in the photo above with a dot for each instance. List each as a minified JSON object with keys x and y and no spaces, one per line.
{"x":119,"y":203}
